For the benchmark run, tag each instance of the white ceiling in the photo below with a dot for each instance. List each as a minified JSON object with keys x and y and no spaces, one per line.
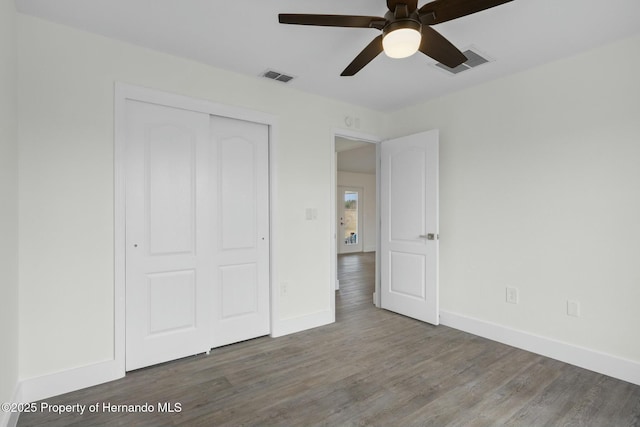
{"x":245,"y":37}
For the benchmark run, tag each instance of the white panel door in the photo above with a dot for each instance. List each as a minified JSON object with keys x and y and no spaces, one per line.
{"x":168,"y":273}
{"x":409,"y":228}
{"x":241,"y":233}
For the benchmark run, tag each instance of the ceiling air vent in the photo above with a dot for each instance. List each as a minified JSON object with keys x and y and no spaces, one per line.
{"x":473,"y":60}
{"x":276,"y":75}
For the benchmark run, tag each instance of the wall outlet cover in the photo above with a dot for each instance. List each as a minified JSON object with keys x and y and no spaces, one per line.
{"x":512,"y":295}
{"x":573,"y":308}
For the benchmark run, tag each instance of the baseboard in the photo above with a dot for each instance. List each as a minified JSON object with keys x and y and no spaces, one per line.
{"x":302,"y":323}
{"x":369,"y":249}
{"x":603,"y":363}
{"x":43,"y":387}
{"x":10,"y":419}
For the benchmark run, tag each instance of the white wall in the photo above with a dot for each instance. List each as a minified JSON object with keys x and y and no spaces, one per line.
{"x":66,"y":189}
{"x":8,"y":206}
{"x":368,"y":183}
{"x":540,"y":190}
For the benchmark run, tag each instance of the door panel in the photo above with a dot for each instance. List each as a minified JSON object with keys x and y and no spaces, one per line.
{"x":404,"y":269}
{"x":167,"y":266}
{"x":239,"y":290}
{"x":241,"y":235}
{"x":406,"y":194}
{"x":171,"y":301}
{"x":238,"y":187}
{"x":409,"y":212}
{"x":170,"y":171}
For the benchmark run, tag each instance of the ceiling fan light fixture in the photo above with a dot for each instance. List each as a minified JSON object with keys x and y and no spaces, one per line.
{"x":406,"y":29}
{"x":402,"y":41}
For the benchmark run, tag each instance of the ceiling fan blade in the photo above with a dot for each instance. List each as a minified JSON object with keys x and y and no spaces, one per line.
{"x":332,"y":20}
{"x":372,"y":50}
{"x":411,"y":4}
{"x":439,"y":11}
{"x":433,"y":44}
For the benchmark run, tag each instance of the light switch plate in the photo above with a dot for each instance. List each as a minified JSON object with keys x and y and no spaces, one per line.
{"x":573,"y":308}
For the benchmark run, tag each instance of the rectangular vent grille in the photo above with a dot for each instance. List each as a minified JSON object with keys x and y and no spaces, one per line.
{"x":275,"y":75}
{"x":473,"y":60}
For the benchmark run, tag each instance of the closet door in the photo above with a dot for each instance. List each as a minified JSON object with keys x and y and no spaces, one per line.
{"x":241,"y":232}
{"x":168,"y":259}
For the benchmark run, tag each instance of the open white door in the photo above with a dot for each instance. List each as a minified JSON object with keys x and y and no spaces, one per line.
{"x":409,"y":226}
{"x":168,"y":291}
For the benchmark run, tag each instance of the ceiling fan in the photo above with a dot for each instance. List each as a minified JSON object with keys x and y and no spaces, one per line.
{"x":405,"y":29}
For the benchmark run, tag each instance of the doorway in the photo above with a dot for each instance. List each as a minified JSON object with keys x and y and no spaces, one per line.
{"x":356,"y":196}
{"x":406,"y":281}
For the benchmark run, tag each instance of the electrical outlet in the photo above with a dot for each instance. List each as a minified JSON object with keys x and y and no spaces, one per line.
{"x":512,"y":295}
{"x":573,"y":308}
{"x":283,"y":288}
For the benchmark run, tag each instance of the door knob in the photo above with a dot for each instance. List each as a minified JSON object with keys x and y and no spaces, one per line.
{"x":430,"y":236}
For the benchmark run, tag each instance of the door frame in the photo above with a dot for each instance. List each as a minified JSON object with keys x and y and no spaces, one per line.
{"x":125,"y":92}
{"x":333,"y":283}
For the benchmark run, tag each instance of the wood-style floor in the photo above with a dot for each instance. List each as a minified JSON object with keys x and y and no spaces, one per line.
{"x":371,"y":367}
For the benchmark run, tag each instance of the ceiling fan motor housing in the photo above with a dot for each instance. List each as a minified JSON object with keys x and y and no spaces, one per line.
{"x":401,"y":36}
{"x":404,"y":23}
